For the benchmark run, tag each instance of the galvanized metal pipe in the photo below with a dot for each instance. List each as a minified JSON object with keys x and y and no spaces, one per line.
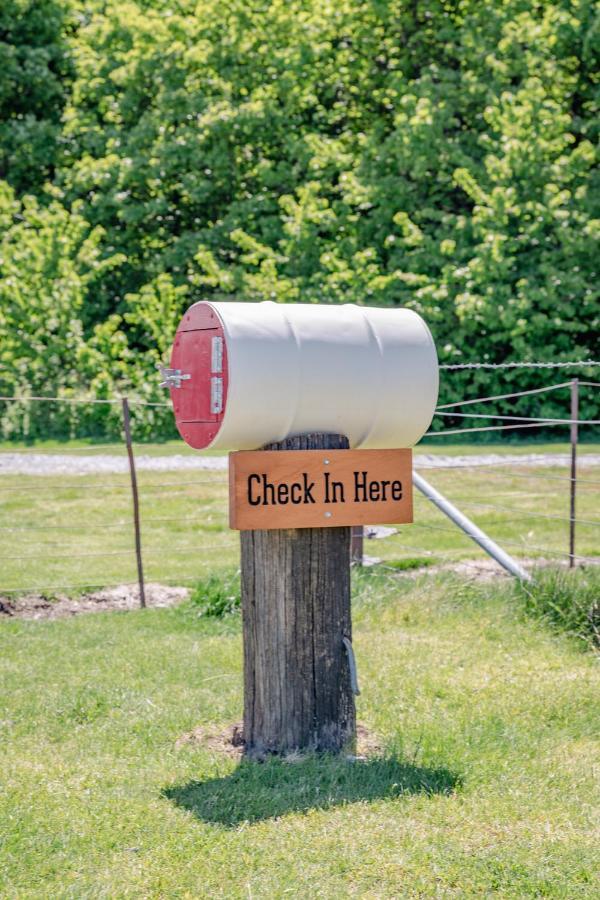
{"x":574,"y":435}
{"x":352,"y":665}
{"x":480,"y":537}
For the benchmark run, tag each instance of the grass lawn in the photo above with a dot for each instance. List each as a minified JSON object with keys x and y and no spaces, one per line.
{"x":76,"y":530}
{"x":487,"y":783}
{"x":433,"y":446}
{"x":94,"y":446}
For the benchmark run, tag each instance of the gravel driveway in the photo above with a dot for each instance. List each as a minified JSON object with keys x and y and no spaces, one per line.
{"x":82,"y":464}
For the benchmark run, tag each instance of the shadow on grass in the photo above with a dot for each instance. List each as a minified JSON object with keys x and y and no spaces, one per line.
{"x":256,"y":791}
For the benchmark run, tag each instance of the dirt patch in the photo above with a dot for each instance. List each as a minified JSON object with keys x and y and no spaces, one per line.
{"x":473,"y":569}
{"x":125,"y":597}
{"x":58,"y":606}
{"x":367,"y":742}
{"x":484,"y":569}
{"x":230,"y":741}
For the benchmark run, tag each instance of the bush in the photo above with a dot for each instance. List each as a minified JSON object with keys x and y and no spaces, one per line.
{"x":217,"y":595}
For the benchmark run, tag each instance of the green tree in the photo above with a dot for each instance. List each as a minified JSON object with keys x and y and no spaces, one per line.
{"x":442,"y":156}
{"x":35,"y":74}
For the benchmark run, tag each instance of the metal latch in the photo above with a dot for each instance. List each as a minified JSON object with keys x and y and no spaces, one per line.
{"x":172,"y":377}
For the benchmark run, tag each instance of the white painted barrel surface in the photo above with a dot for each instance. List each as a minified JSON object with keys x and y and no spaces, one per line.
{"x":366,"y":372}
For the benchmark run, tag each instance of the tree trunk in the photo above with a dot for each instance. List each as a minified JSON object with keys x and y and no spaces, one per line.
{"x":296,"y":612}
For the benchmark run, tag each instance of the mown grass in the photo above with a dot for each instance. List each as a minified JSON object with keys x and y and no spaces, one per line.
{"x":64,"y":530}
{"x":486,"y":784}
{"x":77,"y":530}
{"x":432,"y":446}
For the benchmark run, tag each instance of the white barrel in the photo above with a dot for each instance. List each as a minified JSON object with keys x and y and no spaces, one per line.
{"x":368,"y":373}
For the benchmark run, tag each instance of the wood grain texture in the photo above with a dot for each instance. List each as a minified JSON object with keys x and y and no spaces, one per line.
{"x":315,"y":489}
{"x":296,"y":610}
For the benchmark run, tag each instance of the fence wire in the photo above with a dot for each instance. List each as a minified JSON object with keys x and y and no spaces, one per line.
{"x":151,"y":492}
{"x":573,"y":364}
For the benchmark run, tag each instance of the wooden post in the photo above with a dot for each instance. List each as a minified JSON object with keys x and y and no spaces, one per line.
{"x":357,"y":545}
{"x":573,"y":482}
{"x":296,"y":613}
{"x":136,"y":505}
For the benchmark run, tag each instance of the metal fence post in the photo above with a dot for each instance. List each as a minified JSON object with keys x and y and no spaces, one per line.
{"x":573,"y":481}
{"x":136,"y":505}
{"x":480,"y":537}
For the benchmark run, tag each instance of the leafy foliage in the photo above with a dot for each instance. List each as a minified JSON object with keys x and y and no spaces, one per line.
{"x":217,"y":595}
{"x":36,"y":74}
{"x":439,"y":156}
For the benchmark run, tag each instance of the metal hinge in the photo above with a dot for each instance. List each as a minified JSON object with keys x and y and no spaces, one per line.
{"x":216,"y":395}
{"x":172,"y":377}
{"x":216,"y":355}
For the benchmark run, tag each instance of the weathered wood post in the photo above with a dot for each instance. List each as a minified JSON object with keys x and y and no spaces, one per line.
{"x":321,"y":380}
{"x":296,"y":612}
{"x":357,"y":545}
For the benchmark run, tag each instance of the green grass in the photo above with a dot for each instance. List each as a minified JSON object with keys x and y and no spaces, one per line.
{"x":485,"y":785}
{"x":97,"y":446}
{"x":77,"y":530}
{"x":63,"y":530}
{"x":165,"y":448}
{"x":566,"y":599}
{"x":502,"y":447}
{"x":217,"y":595}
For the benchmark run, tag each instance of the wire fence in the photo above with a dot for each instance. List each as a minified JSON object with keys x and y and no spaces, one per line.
{"x":53,"y":531}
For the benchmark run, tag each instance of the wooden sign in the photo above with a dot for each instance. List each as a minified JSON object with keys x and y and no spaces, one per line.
{"x":319,"y":489}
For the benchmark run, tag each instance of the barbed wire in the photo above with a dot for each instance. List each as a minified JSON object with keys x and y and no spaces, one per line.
{"x":525,"y":514}
{"x":542,"y":390}
{"x":112,"y":401}
{"x":518,"y":418}
{"x":149,"y":551}
{"x":426,"y":550}
{"x":112,"y":449}
{"x":470,"y":563}
{"x":588,"y":363}
{"x":512,"y":474}
{"x":90,"y":585}
{"x":79,"y":526}
{"x":106,"y":553}
{"x":186,"y":493}
{"x":520,"y":544}
{"x":486,"y":428}
{"x":42,"y":544}
{"x":107,"y":485}
{"x":152,"y":554}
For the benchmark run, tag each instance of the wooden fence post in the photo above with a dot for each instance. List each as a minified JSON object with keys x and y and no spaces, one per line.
{"x":296,"y":614}
{"x":573,"y":482}
{"x":357,"y":545}
{"x":136,"y":505}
